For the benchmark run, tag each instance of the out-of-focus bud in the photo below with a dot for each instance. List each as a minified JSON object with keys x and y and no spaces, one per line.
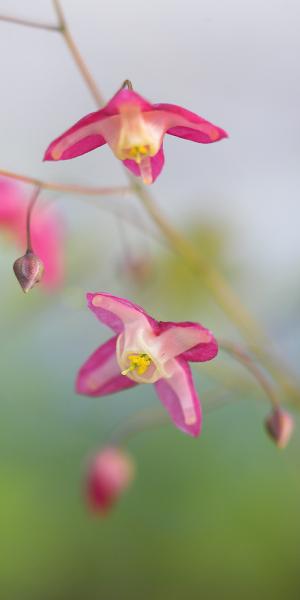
{"x":280,"y":426}
{"x":137,"y":270}
{"x":28,"y":270}
{"x":110,"y":472}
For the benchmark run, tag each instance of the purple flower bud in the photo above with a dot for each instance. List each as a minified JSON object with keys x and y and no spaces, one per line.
{"x":280,"y":425}
{"x":28,"y":270}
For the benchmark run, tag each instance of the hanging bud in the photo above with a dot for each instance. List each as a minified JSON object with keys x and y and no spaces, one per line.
{"x":28,"y":270}
{"x":280,"y":426}
{"x":110,"y":472}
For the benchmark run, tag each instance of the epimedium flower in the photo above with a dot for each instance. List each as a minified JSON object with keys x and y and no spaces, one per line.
{"x":134,"y":129}
{"x":109,"y":474}
{"x":144,"y":350}
{"x":46,"y":230}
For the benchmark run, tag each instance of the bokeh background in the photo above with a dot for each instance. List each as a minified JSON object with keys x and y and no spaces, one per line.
{"x":213,"y":518}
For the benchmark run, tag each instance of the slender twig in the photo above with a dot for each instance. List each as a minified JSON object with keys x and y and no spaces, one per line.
{"x":245,"y":359}
{"x":31,"y":205}
{"x":69,"y":188}
{"x":86,"y":74}
{"x":29,"y":23}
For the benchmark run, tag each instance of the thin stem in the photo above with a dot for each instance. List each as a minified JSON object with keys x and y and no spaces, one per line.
{"x":86,"y":74}
{"x":245,"y":359}
{"x":149,"y":419}
{"x":217,"y":284}
{"x":29,"y":23}
{"x":224,"y":295}
{"x":141,"y":421}
{"x":31,"y":205}
{"x":127,"y":83}
{"x":68,"y":188}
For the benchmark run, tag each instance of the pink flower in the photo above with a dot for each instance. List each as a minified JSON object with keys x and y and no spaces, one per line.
{"x":134,"y":129}
{"x":46,"y":229}
{"x":110,"y":472}
{"x":144,"y":350}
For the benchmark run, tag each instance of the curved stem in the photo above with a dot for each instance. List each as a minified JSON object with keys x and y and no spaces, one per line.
{"x":141,"y":421}
{"x":127,"y":83}
{"x":245,"y":359}
{"x":68,"y":188}
{"x":86,"y":74}
{"x":29,"y":23}
{"x":28,"y":218}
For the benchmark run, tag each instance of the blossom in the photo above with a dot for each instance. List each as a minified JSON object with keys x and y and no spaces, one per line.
{"x":110,"y":472}
{"x":144,"y":350}
{"x":46,"y":229}
{"x":280,"y":426}
{"x":134,"y":129}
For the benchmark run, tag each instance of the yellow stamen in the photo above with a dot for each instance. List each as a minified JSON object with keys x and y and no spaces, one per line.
{"x":141,"y":362}
{"x":137,"y":153}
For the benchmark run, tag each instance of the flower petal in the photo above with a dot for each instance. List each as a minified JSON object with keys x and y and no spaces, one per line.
{"x":83,"y":137}
{"x":100,"y":374}
{"x":95,"y":129}
{"x":156,"y":162}
{"x":186,"y":124}
{"x":178,"y":395}
{"x":189,"y":340}
{"x":117,"y":312}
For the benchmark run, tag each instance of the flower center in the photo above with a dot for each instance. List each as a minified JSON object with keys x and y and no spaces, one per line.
{"x":139,"y":362}
{"x":137,"y":153}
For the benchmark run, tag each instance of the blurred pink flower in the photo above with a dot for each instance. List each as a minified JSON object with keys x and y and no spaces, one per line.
{"x":280,"y":426}
{"x":46,"y":229}
{"x":147,"y":351}
{"x":110,"y":472}
{"x":134,"y":130}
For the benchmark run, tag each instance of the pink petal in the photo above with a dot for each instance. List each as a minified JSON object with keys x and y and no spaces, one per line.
{"x":179,"y":397}
{"x":93,"y":130}
{"x":186,"y":124}
{"x":117,"y":312}
{"x":157,"y":163}
{"x":191,"y":341}
{"x":83,"y":137}
{"x":100,"y":374}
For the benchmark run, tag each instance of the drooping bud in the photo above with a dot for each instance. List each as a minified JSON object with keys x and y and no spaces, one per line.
{"x":280,"y":425}
{"x":28,"y":270}
{"x":110,"y":472}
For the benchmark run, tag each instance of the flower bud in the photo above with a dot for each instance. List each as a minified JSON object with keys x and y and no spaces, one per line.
{"x":280,"y":426}
{"x":110,"y":472}
{"x":28,"y":270}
